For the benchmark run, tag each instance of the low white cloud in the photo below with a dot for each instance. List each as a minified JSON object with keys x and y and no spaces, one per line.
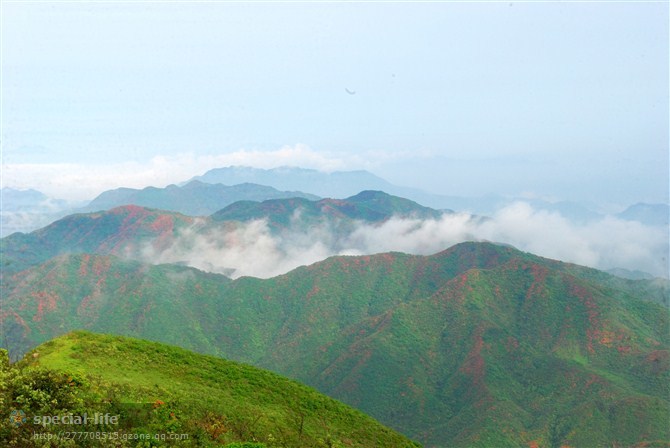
{"x":11,"y":222}
{"x":603,"y":244}
{"x":79,"y":182}
{"x":82,"y":182}
{"x":248,"y":249}
{"x":253,"y":249}
{"x":296,"y":155}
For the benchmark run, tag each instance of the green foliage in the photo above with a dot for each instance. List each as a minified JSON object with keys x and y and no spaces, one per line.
{"x":246,"y":445}
{"x":25,"y":392}
{"x":369,"y":206}
{"x":480,"y":344}
{"x":169,"y":392}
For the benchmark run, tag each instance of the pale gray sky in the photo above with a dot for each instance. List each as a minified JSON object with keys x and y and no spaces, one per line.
{"x":566,"y":100}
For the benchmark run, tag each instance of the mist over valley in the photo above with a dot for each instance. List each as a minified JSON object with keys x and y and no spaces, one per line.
{"x":334,"y":224}
{"x":268,"y":232}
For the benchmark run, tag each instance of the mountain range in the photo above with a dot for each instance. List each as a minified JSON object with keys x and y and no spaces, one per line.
{"x":338,"y":184}
{"x":478,"y":345}
{"x":341,"y":184}
{"x":27,"y":210}
{"x":161,"y":236}
{"x":651,"y":214}
{"x":194,"y":198}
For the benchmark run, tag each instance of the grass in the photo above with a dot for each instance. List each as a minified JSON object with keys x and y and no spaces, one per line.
{"x":217,"y":402}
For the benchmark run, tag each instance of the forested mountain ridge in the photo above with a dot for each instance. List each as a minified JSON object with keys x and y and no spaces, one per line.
{"x":480,"y":344}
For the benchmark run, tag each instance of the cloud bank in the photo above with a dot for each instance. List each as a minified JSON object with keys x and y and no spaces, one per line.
{"x":252,"y":249}
{"x":79,"y":182}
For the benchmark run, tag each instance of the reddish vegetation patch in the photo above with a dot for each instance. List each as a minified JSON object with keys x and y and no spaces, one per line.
{"x":164,"y":226}
{"x":18,"y":319}
{"x":539,"y":281}
{"x":87,"y":305}
{"x":474,"y":365}
{"x":46,"y":301}
{"x":593,"y":379}
{"x":83,"y":267}
{"x":97,"y":266}
{"x":163,"y":223}
{"x":376,"y":323}
{"x":312,"y":292}
{"x":134,"y":216}
{"x":389,"y":258}
{"x":101,"y":266}
{"x":131,"y":210}
{"x":453,"y":291}
{"x":653,"y":342}
{"x":362,"y":260}
{"x":658,"y":361}
{"x":593,"y":332}
{"x":606,"y":338}
{"x":533,"y":444}
{"x":330,"y":210}
{"x":462,"y":280}
{"x":658,"y":355}
{"x":512,"y":344}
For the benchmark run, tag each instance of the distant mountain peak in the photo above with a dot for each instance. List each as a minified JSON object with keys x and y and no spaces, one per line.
{"x":368,"y":195}
{"x":367,"y":206}
{"x":336,"y":184}
{"x":195,"y":198}
{"x":650,"y":214}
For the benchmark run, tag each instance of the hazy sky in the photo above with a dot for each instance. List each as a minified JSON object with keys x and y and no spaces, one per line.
{"x":563,"y":100}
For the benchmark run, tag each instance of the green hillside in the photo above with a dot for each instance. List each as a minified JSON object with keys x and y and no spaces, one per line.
{"x":478,"y":345}
{"x":159,"y":389}
{"x":123,"y":231}
{"x":109,"y":295}
{"x":135,"y":232}
{"x":556,"y":365}
{"x":368,"y":206}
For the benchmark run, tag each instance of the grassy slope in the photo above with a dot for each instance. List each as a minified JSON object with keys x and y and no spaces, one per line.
{"x":207,"y":394}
